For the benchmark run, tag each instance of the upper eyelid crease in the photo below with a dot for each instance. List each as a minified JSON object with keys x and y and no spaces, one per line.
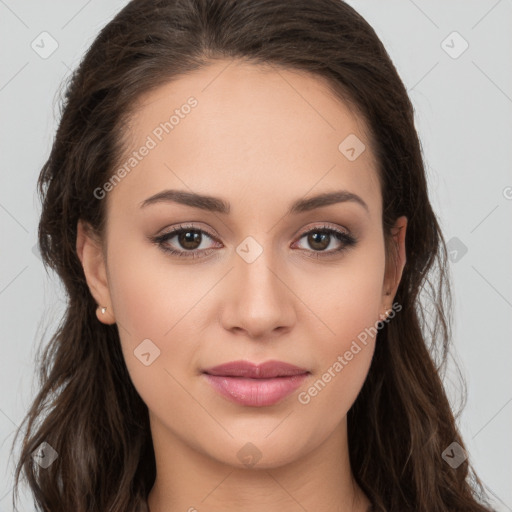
{"x":190,"y":227}
{"x":215,"y":204}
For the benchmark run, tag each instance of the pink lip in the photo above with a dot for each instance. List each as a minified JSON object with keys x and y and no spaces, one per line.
{"x":256,"y":385}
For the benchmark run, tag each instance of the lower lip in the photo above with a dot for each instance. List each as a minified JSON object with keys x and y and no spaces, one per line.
{"x":255,"y":392}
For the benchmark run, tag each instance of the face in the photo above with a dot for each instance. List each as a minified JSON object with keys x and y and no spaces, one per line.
{"x":249,"y":278}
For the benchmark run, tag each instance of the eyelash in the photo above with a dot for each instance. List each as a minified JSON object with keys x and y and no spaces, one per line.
{"x":348,"y":241}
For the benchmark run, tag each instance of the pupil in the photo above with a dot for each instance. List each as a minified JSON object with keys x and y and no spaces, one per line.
{"x":318,"y":243}
{"x":190,"y":237}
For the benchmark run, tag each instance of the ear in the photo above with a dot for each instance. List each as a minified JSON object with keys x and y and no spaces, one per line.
{"x":395,"y":263}
{"x":90,"y":252}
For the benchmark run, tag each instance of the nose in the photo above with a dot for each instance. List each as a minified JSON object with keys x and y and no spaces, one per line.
{"x":257,"y":299}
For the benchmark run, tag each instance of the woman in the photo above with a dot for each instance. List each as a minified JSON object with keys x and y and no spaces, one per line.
{"x":236,"y":203}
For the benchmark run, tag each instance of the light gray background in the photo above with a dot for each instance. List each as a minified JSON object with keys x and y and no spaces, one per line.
{"x":463,"y":115}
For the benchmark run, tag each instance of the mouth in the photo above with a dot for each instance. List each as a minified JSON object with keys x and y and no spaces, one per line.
{"x":267,"y":370}
{"x":248,"y":384}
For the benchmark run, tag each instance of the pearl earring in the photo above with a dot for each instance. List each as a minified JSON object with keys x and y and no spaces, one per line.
{"x":103,"y":310}
{"x":386,"y":314}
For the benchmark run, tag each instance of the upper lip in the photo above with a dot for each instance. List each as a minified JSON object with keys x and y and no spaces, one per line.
{"x":266,"y":370}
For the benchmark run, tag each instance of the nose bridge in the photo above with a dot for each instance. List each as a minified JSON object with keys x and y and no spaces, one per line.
{"x":258,"y":300}
{"x":256,"y":267}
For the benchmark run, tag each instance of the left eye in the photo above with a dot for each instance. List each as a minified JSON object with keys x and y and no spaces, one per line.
{"x":190,"y":239}
{"x":320,"y":239}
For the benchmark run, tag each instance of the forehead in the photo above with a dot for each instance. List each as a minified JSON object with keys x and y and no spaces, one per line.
{"x":251,"y":128}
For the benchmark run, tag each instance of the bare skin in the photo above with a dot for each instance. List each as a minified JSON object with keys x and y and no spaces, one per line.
{"x":260,"y":139}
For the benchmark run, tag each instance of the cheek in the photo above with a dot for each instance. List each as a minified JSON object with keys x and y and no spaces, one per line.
{"x":350,"y":299}
{"x":350,"y":307}
{"x":147,"y":295}
{"x":151,"y":303}
{"x":342,"y":359}
{"x":331,"y":392}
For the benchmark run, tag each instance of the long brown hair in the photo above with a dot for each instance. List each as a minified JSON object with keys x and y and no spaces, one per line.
{"x":87,"y":408}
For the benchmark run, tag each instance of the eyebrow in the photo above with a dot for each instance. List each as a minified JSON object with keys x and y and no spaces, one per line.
{"x":215,"y":204}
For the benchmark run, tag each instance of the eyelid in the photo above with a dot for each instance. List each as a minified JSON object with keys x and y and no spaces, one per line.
{"x":323,"y":225}
{"x":300,"y":233}
{"x":175,"y":230}
{"x":193,"y":225}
